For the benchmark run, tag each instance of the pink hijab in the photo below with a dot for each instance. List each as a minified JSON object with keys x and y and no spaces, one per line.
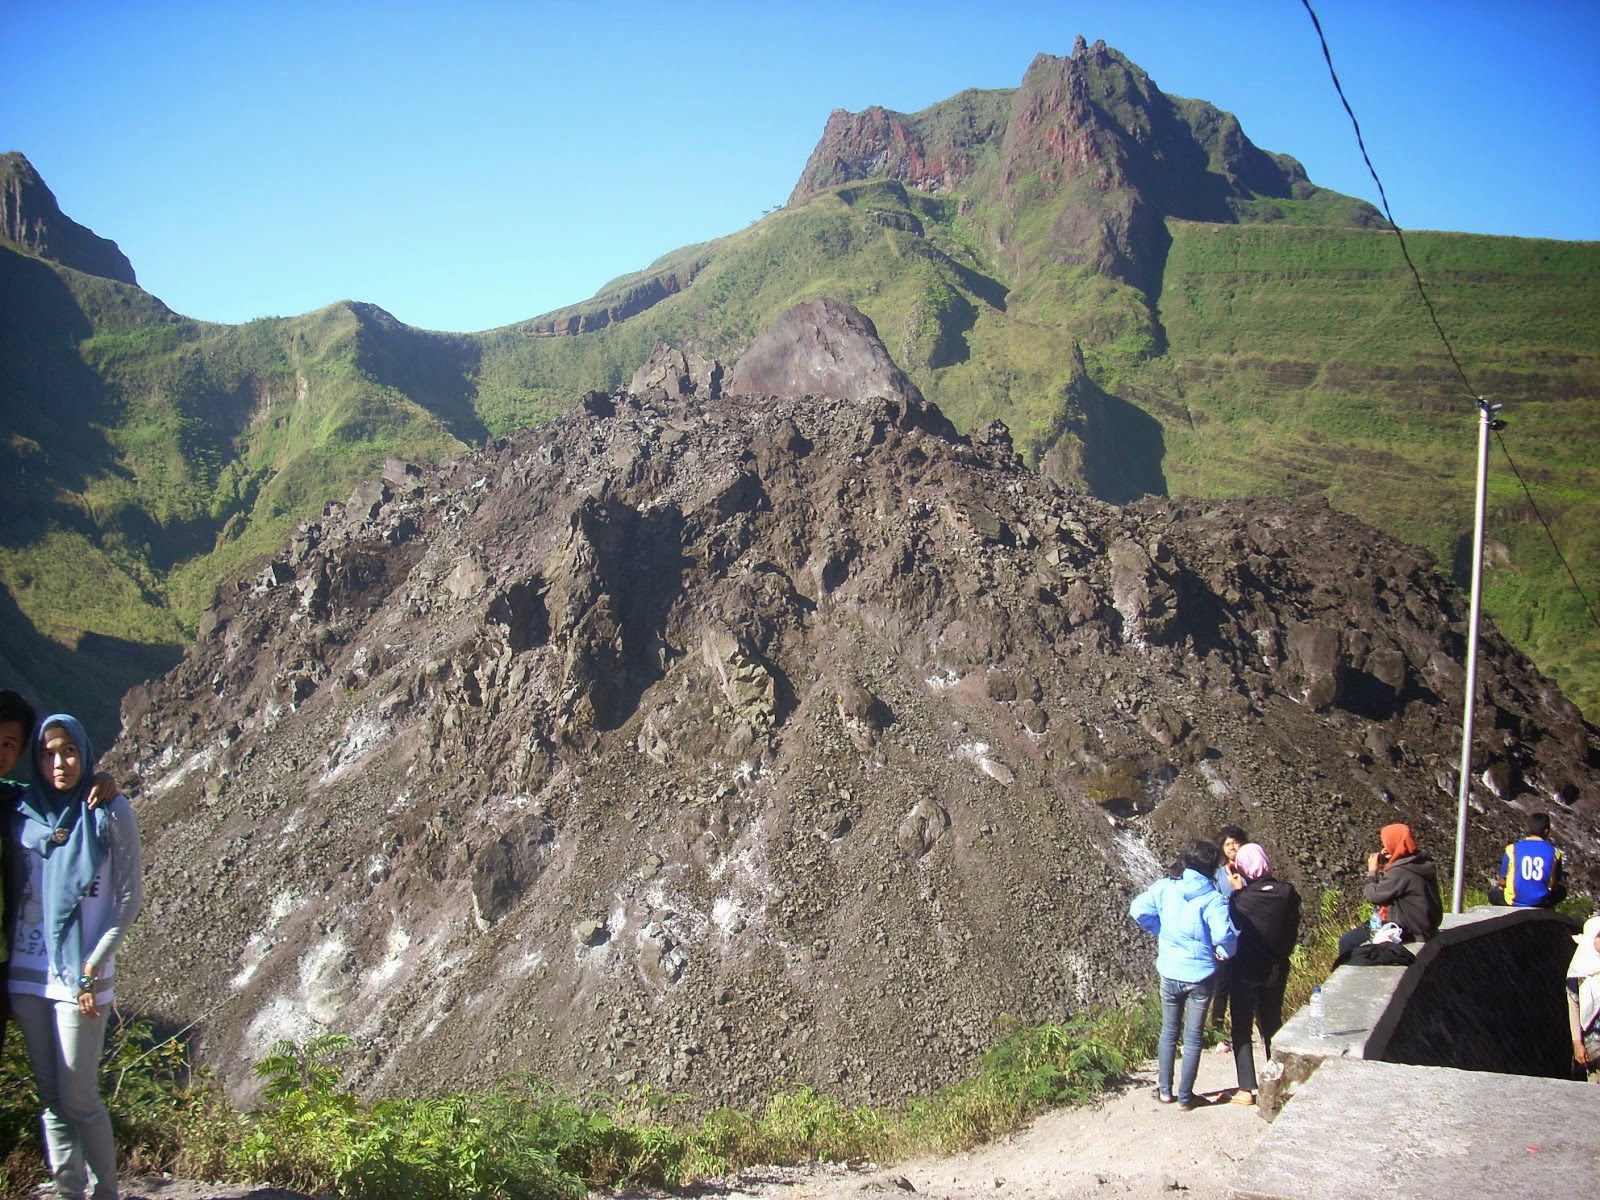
{"x":1252,"y":861}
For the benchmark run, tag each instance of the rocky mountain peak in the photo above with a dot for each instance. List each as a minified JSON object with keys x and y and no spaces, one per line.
{"x":1091,"y":136}
{"x":879,"y":144}
{"x":720,"y":742}
{"x":30,"y":217}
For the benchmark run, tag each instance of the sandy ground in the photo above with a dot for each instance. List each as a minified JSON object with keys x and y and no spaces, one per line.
{"x":160,"y":1188}
{"x":1127,"y":1145}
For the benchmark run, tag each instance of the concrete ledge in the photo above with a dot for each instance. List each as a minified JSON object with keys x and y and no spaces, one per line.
{"x":1354,"y":1000}
{"x":1485,"y":994}
{"x":1376,"y":1129}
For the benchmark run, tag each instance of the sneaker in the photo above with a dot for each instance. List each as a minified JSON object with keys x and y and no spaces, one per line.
{"x":1242,"y":1097}
{"x":1194,"y":1102}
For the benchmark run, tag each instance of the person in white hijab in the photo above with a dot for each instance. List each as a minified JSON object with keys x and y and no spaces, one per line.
{"x":1583,"y":998}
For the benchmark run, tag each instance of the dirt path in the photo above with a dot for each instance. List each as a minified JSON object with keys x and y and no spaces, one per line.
{"x":1127,"y":1145}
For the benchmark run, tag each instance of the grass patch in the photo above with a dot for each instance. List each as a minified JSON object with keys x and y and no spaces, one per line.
{"x":523,"y":1139}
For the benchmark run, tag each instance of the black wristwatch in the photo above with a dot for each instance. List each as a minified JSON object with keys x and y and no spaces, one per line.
{"x":85,"y":984}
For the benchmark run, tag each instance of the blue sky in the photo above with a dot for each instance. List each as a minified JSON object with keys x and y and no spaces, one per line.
{"x":471,"y":165}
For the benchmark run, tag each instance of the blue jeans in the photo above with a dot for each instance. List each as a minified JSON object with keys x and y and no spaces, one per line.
{"x":1186,"y":1003}
{"x":64,"y":1051}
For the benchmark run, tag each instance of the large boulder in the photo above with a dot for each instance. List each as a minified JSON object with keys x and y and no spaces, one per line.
{"x":678,"y":374}
{"x":820,"y":348}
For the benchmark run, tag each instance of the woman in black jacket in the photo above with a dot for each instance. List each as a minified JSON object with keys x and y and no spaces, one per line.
{"x":1266,"y":911}
{"x":1402,"y":887}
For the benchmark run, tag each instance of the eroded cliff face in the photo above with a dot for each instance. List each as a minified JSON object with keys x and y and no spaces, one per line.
{"x":879,"y":144}
{"x":614,"y":307}
{"x":30,"y":217}
{"x":726,"y":743}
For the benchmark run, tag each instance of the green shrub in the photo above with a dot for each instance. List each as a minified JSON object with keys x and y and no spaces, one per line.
{"x":526,"y":1141}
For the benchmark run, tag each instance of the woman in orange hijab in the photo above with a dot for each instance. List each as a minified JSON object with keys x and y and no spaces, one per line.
{"x":1403,"y":886}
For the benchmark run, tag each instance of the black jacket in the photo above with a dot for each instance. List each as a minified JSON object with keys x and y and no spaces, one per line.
{"x":1410,"y":887}
{"x":1266,"y":912}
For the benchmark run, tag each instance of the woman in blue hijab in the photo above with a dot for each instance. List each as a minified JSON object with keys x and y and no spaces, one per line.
{"x":79,"y":880}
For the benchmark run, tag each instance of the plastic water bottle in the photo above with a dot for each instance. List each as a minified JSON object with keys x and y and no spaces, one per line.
{"x":1319,"y":1020}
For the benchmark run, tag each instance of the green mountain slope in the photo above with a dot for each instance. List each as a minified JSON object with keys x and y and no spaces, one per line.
{"x":1149,"y":301}
{"x":147,"y":456}
{"x":1296,"y":361}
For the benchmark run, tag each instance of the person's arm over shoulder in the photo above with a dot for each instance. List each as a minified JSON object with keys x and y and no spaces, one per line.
{"x":126,"y":876}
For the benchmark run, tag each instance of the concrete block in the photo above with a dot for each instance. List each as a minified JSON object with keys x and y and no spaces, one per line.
{"x":1354,"y":998}
{"x":1378,"y":1130}
{"x":1485,"y":994}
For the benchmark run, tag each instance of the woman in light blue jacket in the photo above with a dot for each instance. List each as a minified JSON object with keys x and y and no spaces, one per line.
{"x":79,"y":880}
{"x":1190,"y":920}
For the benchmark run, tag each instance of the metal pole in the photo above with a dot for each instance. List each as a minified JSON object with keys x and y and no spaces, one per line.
{"x":1487,"y":422}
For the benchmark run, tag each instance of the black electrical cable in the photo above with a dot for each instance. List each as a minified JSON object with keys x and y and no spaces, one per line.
{"x":1433,"y":316}
{"x":1405,"y":251}
{"x":1576,"y":586}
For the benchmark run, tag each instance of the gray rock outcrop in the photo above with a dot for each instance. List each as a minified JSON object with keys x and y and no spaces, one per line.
{"x":819,"y":348}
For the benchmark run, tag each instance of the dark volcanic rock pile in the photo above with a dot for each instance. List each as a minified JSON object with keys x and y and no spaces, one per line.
{"x":723,"y":743}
